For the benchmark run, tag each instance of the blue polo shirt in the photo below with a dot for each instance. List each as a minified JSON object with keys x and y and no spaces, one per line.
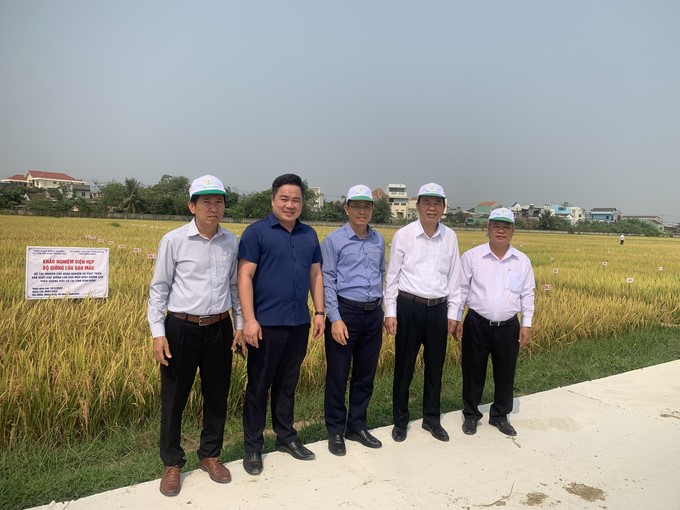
{"x":281,"y":280}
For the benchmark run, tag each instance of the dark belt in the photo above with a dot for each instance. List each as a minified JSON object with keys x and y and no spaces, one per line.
{"x":495,"y":324}
{"x":371,"y":305}
{"x":425,"y":301}
{"x":201,"y":320}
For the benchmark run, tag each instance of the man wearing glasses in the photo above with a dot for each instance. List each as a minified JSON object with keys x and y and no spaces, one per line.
{"x":353,"y":269}
{"x":422,"y":297}
{"x":497,"y":283}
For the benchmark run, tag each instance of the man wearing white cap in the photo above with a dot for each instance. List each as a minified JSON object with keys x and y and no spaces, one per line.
{"x":422,"y":297}
{"x":192,"y":290}
{"x":353,"y":270}
{"x":497,"y":283}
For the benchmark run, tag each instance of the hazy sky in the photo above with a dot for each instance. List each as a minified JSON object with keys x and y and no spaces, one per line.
{"x":530,"y":101}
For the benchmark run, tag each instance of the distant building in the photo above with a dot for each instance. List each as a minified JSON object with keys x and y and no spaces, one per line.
{"x":412,"y":208}
{"x":567,"y":212}
{"x":319,"y":199}
{"x":526,"y":213}
{"x":17,"y":179}
{"x":81,"y":191}
{"x":479,"y":214}
{"x":655,"y":221}
{"x":398,"y":199}
{"x":379,"y":194}
{"x":47,"y":180}
{"x":604,"y":214}
{"x":485,"y":207}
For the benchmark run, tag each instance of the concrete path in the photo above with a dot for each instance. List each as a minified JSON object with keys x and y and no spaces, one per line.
{"x":612,"y":443}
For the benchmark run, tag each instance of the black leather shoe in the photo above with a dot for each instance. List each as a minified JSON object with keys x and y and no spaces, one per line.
{"x":336,"y":445}
{"x":504,"y":426}
{"x":252,"y":463}
{"x":436,"y":430}
{"x":365,"y":438}
{"x":296,"y":450}
{"x":470,"y":426}
{"x":398,"y":434}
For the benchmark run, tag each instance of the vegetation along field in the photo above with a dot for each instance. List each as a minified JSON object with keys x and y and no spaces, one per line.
{"x":70,"y":369}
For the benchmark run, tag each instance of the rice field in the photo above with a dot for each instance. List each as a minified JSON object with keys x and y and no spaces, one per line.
{"x":76,"y":368}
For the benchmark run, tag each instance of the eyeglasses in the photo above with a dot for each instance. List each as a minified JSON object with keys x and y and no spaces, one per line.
{"x":357,"y":207}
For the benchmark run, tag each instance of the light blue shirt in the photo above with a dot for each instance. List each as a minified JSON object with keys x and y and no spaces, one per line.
{"x":194,"y":275}
{"x":352,"y":267}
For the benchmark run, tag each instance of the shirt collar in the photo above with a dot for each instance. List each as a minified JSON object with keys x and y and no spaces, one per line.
{"x":421,"y":232}
{"x":350,"y":232}
{"x":274,"y":222}
{"x":192,"y":230}
{"x":512,"y":252}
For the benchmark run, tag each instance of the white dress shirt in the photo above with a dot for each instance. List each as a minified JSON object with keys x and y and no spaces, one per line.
{"x":194,"y":275}
{"x":424,"y":266}
{"x":497,"y":289}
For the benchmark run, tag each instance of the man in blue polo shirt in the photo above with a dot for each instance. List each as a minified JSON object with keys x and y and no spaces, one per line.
{"x":353,"y":269}
{"x":279,"y":265}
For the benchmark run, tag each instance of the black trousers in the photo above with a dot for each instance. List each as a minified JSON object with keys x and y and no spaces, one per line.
{"x":361,"y":352}
{"x":274,"y":364}
{"x":208,"y":349}
{"x":479,"y":341}
{"x":419,"y":324}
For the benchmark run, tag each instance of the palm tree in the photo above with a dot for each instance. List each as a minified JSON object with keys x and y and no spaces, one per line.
{"x":132,"y":199}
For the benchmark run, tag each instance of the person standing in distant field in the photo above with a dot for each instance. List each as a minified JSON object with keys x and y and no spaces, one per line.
{"x":194,"y":281}
{"x":353,"y":269}
{"x":279,"y":266}
{"x":422,"y":297}
{"x":621,"y":239}
{"x":497,"y":283}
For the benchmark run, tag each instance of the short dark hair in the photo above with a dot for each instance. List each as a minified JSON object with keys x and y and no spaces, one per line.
{"x":284,"y":179}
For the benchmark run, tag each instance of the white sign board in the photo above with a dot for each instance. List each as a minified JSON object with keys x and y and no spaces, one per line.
{"x":60,"y":271}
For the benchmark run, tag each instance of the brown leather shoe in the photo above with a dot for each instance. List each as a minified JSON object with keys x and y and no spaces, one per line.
{"x":171,"y":481}
{"x":218,"y":472}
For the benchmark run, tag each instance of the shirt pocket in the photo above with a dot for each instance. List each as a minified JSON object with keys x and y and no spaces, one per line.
{"x":515,"y":280}
{"x":372,"y":261}
{"x":224,"y":266}
{"x":444,"y":264}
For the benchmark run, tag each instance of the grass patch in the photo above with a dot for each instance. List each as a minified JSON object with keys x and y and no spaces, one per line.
{"x":37,"y":473}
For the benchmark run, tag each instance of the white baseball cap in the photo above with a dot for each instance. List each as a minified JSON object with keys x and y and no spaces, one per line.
{"x":502,"y":214}
{"x":359,"y":192}
{"x":206,"y":185}
{"x":431,"y":189}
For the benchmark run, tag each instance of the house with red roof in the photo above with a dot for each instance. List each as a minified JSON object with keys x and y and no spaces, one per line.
{"x":50,"y":180}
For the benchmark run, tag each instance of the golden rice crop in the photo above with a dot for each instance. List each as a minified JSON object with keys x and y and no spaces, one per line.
{"x":75,"y":368}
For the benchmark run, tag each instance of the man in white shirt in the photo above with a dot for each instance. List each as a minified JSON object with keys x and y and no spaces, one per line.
{"x":191,"y":293}
{"x":422,"y":297}
{"x":497,"y":283}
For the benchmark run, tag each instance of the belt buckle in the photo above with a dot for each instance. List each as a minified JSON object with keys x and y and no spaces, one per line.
{"x":370,"y":306}
{"x":495,"y":324}
{"x":431,"y":302}
{"x":205,"y":320}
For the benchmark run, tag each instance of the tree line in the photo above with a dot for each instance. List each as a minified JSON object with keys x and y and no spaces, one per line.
{"x":169,"y":196}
